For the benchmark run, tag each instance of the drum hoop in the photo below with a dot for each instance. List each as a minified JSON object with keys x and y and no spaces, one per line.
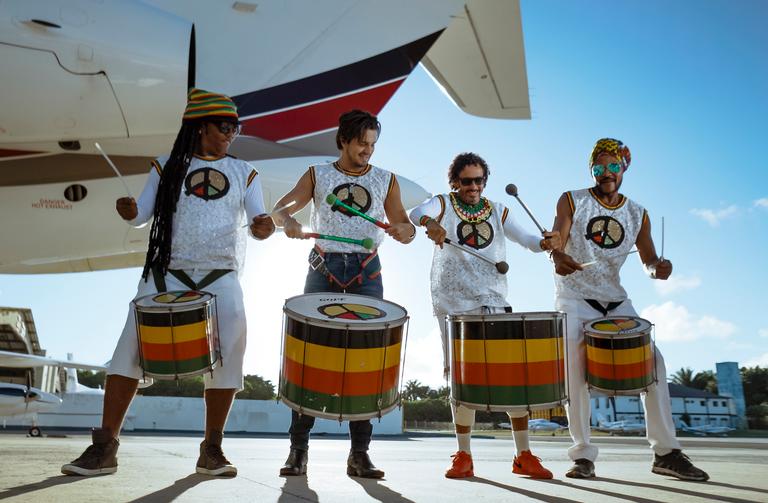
{"x":173,"y":308}
{"x":510,"y":408}
{"x":338,"y":416}
{"x":622,"y":334}
{"x":311,"y":320}
{"x":521,"y":316}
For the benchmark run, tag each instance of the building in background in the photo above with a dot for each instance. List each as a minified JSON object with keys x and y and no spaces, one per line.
{"x":730,"y":384}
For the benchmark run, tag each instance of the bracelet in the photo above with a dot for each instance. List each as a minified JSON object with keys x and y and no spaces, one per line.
{"x":424,"y":220}
{"x":414,"y":233}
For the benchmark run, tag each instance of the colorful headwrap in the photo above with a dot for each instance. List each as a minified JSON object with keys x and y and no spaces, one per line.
{"x":202,"y":104}
{"x":613,"y":147}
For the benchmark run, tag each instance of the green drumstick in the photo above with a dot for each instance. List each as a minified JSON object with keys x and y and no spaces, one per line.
{"x":335,"y":201}
{"x":366,"y":243}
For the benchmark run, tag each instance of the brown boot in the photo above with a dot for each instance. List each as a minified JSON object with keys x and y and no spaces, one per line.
{"x":212,"y":460}
{"x":360,"y":465}
{"x":296,"y":464}
{"x":98,"y":459}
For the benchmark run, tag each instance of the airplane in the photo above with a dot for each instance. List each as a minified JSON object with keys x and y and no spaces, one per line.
{"x":614,"y":427}
{"x":705,"y":429}
{"x":535,"y":425}
{"x":117,"y":73}
{"x":26,"y":400}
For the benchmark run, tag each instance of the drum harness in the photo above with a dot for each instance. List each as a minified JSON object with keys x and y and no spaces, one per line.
{"x":186,"y":280}
{"x":317,"y":263}
{"x":599,"y":307}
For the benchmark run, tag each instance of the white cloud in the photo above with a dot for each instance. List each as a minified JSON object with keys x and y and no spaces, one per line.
{"x":763,"y":332}
{"x":677,"y":283}
{"x":762,"y":202}
{"x":713,"y":217}
{"x":760,"y":361}
{"x":675,"y":323}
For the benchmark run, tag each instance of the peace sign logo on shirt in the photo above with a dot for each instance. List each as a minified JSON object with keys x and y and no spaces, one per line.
{"x":606,"y":232}
{"x":477,"y":235}
{"x":353,"y":195}
{"x":207,"y":184}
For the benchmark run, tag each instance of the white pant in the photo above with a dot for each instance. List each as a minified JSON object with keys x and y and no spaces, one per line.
{"x":462,"y":415}
{"x":658,"y":408}
{"x":231,"y":321}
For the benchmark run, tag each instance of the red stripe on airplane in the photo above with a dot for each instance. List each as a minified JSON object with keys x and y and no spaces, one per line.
{"x":317,"y":116}
{"x":16,"y":153}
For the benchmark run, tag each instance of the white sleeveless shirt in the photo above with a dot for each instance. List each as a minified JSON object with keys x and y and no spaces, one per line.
{"x":602,"y":233}
{"x":365,"y":192}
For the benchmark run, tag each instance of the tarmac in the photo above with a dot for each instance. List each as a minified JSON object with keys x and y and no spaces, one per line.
{"x":160,"y":468}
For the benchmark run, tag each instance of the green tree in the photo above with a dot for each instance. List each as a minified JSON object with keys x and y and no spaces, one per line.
{"x":414,"y":390}
{"x":705,"y":380}
{"x":256,"y":388}
{"x":92,"y":379}
{"x":755,"y":382}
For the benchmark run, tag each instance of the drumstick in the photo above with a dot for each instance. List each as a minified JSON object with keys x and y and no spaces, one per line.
{"x":335,"y":201}
{"x":593,"y":262}
{"x":502,"y":266}
{"x":114,"y":168}
{"x":512,"y":191}
{"x":366,"y":243}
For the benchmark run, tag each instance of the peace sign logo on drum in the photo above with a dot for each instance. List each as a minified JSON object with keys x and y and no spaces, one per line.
{"x":351,"y":311}
{"x":352,"y":195}
{"x":477,"y":235}
{"x":179,"y":297}
{"x":606,"y":232}
{"x":207,"y":184}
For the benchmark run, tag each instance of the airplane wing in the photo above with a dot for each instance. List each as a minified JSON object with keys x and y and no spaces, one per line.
{"x":20,"y":360}
{"x":479,"y":60}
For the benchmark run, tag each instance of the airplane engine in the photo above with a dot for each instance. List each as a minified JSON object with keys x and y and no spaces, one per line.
{"x":114,"y":69}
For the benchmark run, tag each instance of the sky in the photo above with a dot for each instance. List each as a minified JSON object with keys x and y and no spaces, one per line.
{"x":682,"y":83}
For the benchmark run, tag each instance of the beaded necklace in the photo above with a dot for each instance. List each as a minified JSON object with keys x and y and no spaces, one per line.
{"x":472,"y":213}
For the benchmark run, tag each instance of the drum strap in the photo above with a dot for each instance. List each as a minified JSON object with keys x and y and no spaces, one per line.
{"x":186,"y":280}
{"x":599,"y":307}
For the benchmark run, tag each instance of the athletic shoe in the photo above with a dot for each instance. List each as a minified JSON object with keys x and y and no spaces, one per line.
{"x":461,"y":466}
{"x":98,"y":459}
{"x":677,"y":465}
{"x":528,"y":464}
{"x":581,"y":469}
{"x":212,"y":460}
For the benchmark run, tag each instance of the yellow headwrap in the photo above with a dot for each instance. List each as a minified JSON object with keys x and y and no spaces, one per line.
{"x":613,"y":147}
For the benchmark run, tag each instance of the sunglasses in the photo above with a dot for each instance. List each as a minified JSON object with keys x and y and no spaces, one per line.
{"x":479,"y":181}
{"x":228,"y":127}
{"x":599,"y":169}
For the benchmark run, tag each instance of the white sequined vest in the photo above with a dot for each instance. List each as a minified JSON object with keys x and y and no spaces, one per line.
{"x":460,"y":281}
{"x":365,"y":192}
{"x":604,"y":234}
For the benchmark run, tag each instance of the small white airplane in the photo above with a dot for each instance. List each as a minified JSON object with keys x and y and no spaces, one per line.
{"x":535,"y":425}
{"x":705,"y":429}
{"x":616,"y":427}
{"x":79,"y":72}
{"x":26,"y":400}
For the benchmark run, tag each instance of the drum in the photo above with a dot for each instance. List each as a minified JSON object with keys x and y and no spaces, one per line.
{"x":507,"y":362}
{"x":341,"y":355}
{"x":620,"y":355}
{"x":178,"y":333}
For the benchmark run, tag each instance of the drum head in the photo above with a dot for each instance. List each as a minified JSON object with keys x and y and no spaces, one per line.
{"x":617,"y":326}
{"x":178,"y":300}
{"x":343,"y":309}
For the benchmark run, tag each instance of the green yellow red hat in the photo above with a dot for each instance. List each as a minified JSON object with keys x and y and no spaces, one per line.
{"x":202,"y":104}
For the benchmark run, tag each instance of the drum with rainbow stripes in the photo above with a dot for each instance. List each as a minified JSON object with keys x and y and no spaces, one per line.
{"x":507,"y":362}
{"x":178,"y":333}
{"x":620,"y":355}
{"x":341,"y":355}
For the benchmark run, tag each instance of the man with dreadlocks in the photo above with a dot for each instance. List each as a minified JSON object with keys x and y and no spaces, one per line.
{"x":342,"y":267}
{"x":200,"y":198}
{"x":599,"y":226}
{"x":462,"y":284}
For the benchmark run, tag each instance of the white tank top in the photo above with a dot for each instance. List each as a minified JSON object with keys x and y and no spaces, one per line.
{"x":365,"y":192}
{"x":602,"y":233}
{"x":459,"y":281}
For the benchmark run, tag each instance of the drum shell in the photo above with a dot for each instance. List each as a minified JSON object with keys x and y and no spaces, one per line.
{"x":621,"y":363}
{"x":508,"y":362}
{"x":177,"y":340}
{"x":336,"y":370}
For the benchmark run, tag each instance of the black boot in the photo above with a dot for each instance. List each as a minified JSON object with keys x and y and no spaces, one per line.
{"x":296,"y":464}
{"x":360,"y":465}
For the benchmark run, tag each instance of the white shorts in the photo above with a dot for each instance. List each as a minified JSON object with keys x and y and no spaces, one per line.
{"x":231,"y":320}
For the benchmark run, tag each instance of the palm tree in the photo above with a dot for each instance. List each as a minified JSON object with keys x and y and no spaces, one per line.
{"x":683,"y":377}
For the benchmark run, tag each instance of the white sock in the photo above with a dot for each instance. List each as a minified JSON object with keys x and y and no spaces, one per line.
{"x":521,"y":441}
{"x":463,"y":439}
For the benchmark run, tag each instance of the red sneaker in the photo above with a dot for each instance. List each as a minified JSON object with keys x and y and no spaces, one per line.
{"x":461,"y":466}
{"x":528,"y":464}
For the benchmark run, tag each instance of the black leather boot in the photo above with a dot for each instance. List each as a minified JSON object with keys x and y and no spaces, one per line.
{"x":296,"y":464}
{"x":360,"y":465}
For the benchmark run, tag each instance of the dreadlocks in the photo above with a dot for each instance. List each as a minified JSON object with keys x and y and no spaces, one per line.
{"x":168,"y":191}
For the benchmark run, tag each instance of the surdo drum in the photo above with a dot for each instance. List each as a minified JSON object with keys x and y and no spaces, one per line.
{"x":178,"y":333}
{"x":620,"y":355}
{"x":341,"y":355}
{"x":507,"y":362}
